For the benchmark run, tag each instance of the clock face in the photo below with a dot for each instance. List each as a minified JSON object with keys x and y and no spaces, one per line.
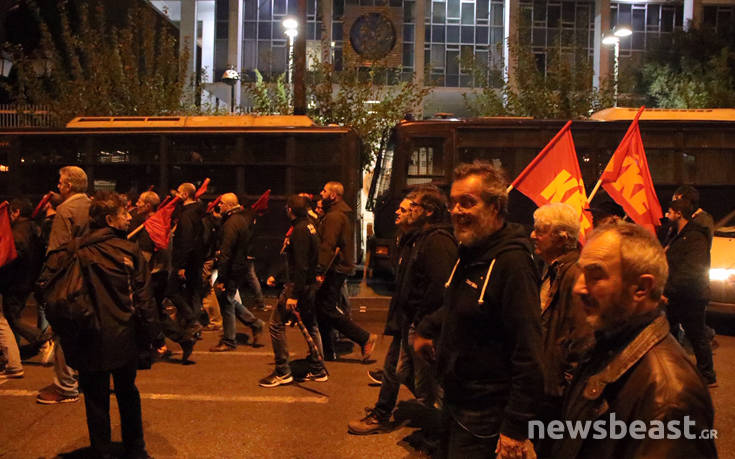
{"x":372,"y":36}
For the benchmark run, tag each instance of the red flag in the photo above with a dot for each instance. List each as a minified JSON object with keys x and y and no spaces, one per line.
{"x":202,"y":189}
{"x":7,"y":243}
{"x":261,"y":205}
{"x":554,"y":176}
{"x":158,"y":225}
{"x":627,"y":179}
{"x":213,"y":204}
{"x":46,"y":198}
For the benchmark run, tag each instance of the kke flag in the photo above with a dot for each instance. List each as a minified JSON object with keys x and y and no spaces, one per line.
{"x":627,"y":179}
{"x":554,"y":176}
{"x":158,"y":225}
{"x":7,"y":243}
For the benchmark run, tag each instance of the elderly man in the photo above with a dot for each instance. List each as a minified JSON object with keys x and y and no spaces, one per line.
{"x":488,"y":331}
{"x":71,"y":221}
{"x":637,"y":375}
{"x":232,"y":272}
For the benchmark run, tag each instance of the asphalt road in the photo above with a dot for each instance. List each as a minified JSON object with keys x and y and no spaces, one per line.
{"x":216,"y":409}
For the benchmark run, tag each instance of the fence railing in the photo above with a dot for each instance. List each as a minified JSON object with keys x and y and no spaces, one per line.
{"x":19,"y":116}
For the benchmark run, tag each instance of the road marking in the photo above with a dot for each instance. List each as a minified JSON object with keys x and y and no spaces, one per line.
{"x":199,"y":397}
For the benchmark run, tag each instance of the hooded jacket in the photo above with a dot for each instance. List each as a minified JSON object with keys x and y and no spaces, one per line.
{"x":119,"y":285}
{"x":335,"y":230}
{"x":640,"y":373}
{"x":689,"y":261}
{"x":301,"y":252}
{"x":426,"y":258}
{"x":188,"y":245}
{"x":488,"y":336}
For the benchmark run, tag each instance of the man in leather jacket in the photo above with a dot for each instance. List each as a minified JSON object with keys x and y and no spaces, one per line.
{"x":636,"y":371}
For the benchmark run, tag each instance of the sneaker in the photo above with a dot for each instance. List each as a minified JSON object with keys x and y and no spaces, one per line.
{"x":47,"y":352}
{"x":711,"y":382}
{"x":51,"y":396}
{"x":371,"y":424}
{"x":11,"y":374}
{"x":315,"y":375}
{"x":187,"y":347}
{"x":222,"y":347}
{"x":274,"y":379}
{"x":163,"y":352}
{"x":369,"y":347}
{"x":376,"y":376}
{"x":212,"y":328}
{"x":256,"y":336}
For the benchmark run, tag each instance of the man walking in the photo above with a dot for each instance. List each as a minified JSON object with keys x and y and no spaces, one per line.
{"x":297,"y":297}
{"x":232,"y":272}
{"x":486,"y":338}
{"x":336,"y":262}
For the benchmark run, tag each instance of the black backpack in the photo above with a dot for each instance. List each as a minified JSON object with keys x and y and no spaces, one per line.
{"x":64,"y":289}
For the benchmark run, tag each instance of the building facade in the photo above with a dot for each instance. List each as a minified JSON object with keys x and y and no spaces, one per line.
{"x":432,"y":41}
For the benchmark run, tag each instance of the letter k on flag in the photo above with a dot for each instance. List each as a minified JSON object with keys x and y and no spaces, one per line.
{"x":554,"y":176}
{"x":628,"y":182}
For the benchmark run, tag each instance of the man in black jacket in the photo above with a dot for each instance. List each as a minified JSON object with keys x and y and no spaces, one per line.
{"x":336,"y":262}
{"x":687,"y":289}
{"x":637,"y":379}
{"x":488,"y":331}
{"x":427,"y":254}
{"x":120,"y":289}
{"x":232,"y":272}
{"x":187,"y":257}
{"x":301,"y":250}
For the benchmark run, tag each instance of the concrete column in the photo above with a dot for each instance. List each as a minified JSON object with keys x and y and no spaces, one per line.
{"x":511,"y":11}
{"x":188,"y":38}
{"x":692,"y":13}
{"x":206,"y":15}
{"x":601,"y":57}
{"x":327,"y":10}
{"x":418,"y":49}
{"x":234,"y":43}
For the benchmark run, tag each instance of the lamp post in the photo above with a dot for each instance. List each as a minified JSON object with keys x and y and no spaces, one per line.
{"x":230,"y":77}
{"x":292,"y":29}
{"x":613,"y":39}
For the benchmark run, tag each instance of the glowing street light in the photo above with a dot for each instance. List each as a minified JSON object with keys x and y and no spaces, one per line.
{"x":292,"y":30}
{"x":613,"y":39}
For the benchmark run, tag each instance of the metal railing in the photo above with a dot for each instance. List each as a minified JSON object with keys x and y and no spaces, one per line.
{"x":20,"y":116}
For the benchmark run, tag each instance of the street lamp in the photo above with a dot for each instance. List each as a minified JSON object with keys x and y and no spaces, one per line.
{"x":231,"y":77}
{"x":292,"y":29}
{"x":613,"y":39}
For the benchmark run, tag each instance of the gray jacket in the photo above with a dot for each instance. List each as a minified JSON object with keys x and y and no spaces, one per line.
{"x":71,"y":220}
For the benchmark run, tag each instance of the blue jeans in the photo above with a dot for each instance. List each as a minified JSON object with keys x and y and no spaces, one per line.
{"x":254,"y":283}
{"x":277,"y":329}
{"x":232,"y":308}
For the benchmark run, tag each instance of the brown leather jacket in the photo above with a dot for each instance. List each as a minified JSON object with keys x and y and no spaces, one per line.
{"x":638,"y":373}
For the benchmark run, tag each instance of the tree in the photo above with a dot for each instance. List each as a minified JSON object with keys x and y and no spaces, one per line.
{"x":691,"y":69}
{"x":90,"y":66}
{"x":560,"y":89}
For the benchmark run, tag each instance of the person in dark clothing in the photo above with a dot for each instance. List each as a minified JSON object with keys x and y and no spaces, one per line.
{"x":336,"y":262}
{"x":121,"y":292}
{"x":699,"y":215}
{"x":687,"y":290}
{"x":184,"y":285}
{"x":297,"y":295}
{"x":17,"y":277}
{"x":636,"y":373}
{"x":232,"y":272}
{"x":159,"y":261}
{"x":427,"y":254}
{"x":488,"y":331}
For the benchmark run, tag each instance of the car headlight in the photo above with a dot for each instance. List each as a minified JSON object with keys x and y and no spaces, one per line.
{"x":721,"y":274}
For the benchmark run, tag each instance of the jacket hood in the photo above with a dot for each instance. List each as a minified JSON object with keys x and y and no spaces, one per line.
{"x":340,"y":206}
{"x":692,"y":226}
{"x":510,"y":236}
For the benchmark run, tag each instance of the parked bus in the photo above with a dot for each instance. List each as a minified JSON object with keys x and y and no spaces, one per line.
{"x":683,"y":146}
{"x":242,"y":154}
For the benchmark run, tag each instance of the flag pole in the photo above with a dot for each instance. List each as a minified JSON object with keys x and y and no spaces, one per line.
{"x":167,"y":203}
{"x":627,"y":133}
{"x":540,"y":156}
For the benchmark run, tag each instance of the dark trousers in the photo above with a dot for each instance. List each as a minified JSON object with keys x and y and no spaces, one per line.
{"x":691,"y":317}
{"x":167,"y":327}
{"x":457,"y":442}
{"x":13,"y":305}
{"x":96,"y":388}
{"x":186,"y":295}
{"x":390,"y":385}
{"x":329,"y":316}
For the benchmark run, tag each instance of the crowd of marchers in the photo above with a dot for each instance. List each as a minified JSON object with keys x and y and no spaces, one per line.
{"x":492,"y":329}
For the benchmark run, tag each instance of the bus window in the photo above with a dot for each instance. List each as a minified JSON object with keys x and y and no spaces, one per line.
{"x":714,"y":167}
{"x":201,"y":148}
{"x":426,"y":162}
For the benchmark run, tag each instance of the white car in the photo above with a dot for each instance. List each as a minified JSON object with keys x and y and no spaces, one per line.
{"x":722,"y":269}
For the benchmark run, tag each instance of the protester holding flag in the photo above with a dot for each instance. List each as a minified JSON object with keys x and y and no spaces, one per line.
{"x":8,"y":345}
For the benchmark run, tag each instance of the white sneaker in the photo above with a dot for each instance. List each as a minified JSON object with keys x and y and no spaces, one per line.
{"x":47,"y":352}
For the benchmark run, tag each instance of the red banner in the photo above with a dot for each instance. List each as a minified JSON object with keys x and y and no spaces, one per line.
{"x":7,"y":243}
